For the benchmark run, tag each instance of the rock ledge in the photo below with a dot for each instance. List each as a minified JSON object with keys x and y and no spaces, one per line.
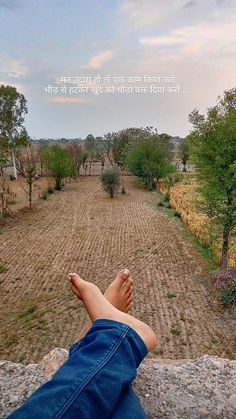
{"x":196,"y":389}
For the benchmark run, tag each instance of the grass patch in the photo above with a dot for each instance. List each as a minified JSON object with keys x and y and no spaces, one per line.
{"x":27,"y":312}
{"x":166,"y":197}
{"x":3,"y":269}
{"x":228,"y":296}
{"x":171,"y":295}
{"x":158,"y":352}
{"x":44,"y":195}
{"x":175,"y":330}
{"x":50,"y":190}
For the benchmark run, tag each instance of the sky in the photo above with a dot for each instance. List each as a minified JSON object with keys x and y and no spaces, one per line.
{"x":191,"y":42}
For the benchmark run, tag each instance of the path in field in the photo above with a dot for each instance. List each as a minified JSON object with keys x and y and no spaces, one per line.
{"x":81,"y":229}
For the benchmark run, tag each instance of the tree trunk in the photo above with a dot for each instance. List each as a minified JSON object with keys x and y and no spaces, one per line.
{"x":58,"y":184}
{"x":225,"y":246}
{"x":14,"y":164}
{"x":112,"y":194}
{"x":30,"y":191}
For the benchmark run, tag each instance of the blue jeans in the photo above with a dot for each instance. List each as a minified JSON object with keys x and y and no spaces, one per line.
{"x":96,"y":381}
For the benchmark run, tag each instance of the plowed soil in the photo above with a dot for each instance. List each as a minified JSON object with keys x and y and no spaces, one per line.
{"x":81,"y":229}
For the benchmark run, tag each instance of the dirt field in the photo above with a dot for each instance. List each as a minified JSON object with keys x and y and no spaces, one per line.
{"x":82,"y":229}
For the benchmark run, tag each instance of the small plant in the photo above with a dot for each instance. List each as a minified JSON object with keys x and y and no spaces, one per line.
{"x":44,"y":195}
{"x":175,"y":330}
{"x":168,"y":205}
{"x":228,"y":296}
{"x":177,"y":214}
{"x":158,"y":352}
{"x":167,"y":197}
{"x":2,"y":269}
{"x":171,"y":295}
{"x":27,"y":312}
{"x":50,"y":190}
{"x":110,"y":181}
{"x":160,"y":204}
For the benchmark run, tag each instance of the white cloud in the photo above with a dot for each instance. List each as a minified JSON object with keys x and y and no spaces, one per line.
{"x":12,"y":68}
{"x":99,"y":60}
{"x":203,"y":40}
{"x":163,"y":15}
{"x":161,"y":41}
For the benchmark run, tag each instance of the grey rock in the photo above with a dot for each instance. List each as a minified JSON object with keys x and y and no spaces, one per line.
{"x":186,"y":389}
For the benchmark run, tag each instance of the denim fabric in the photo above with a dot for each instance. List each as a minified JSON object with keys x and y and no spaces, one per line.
{"x":96,"y":381}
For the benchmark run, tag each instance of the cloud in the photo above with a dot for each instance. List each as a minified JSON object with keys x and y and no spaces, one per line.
{"x":144,"y":13}
{"x":61,"y":100}
{"x":161,"y":40}
{"x":10,"y":4}
{"x":204,"y":39}
{"x":13,"y":68}
{"x":99,"y":60}
{"x":162,"y":15}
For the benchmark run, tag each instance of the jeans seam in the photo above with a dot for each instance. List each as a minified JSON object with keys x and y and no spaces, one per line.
{"x":68,"y":403}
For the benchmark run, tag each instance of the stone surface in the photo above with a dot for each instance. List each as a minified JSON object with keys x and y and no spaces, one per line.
{"x":196,"y":389}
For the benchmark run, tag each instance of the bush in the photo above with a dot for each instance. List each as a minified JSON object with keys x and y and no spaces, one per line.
{"x":110,"y":181}
{"x":58,"y":163}
{"x":177,"y":214}
{"x":44,"y":195}
{"x":168,"y":205}
{"x":50,"y":190}
{"x":149,"y":159}
{"x":160,"y":204}
{"x":228,"y":296}
{"x":167,"y":197}
{"x":172,"y":179}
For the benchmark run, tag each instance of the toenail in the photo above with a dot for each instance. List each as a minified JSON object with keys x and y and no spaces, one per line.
{"x":126,"y":271}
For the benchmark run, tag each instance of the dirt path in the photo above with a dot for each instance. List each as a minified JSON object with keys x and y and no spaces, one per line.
{"x":81,"y":229}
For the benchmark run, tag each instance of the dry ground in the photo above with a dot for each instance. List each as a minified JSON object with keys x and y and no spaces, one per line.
{"x":82,"y":229}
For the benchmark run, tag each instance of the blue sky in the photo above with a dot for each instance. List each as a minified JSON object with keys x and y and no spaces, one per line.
{"x":40,"y":41}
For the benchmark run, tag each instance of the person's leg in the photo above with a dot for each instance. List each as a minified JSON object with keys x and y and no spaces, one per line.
{"x":119,"y":293}
{"x":99,"y":308}
{"x":100,"y":370}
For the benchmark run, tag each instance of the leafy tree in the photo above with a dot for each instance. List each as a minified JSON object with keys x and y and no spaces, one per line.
{"x":75,"y":151}
{"x":4,"y":162}
{"x":213,"y":150}
{"x":58,"y":163}
{"x":184,"y":153}
{"x":110,"y":181}
{"x":149,"y":159}
{"x":13,"y":109}
{"x":27,"y":160}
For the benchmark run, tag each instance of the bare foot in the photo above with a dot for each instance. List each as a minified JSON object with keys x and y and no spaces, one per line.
{"x":119,"y":293}
{"x":98,"y":307}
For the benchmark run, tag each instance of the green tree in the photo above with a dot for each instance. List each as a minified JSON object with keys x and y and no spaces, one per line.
{"x":110,"y":181}
{"x":58,"y":163}
{"x":13,"y":109}
{"x":213,"y":151}
{"x":90,"y":146}
{"x":184,"y":153}
{"x":149,"y":159}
